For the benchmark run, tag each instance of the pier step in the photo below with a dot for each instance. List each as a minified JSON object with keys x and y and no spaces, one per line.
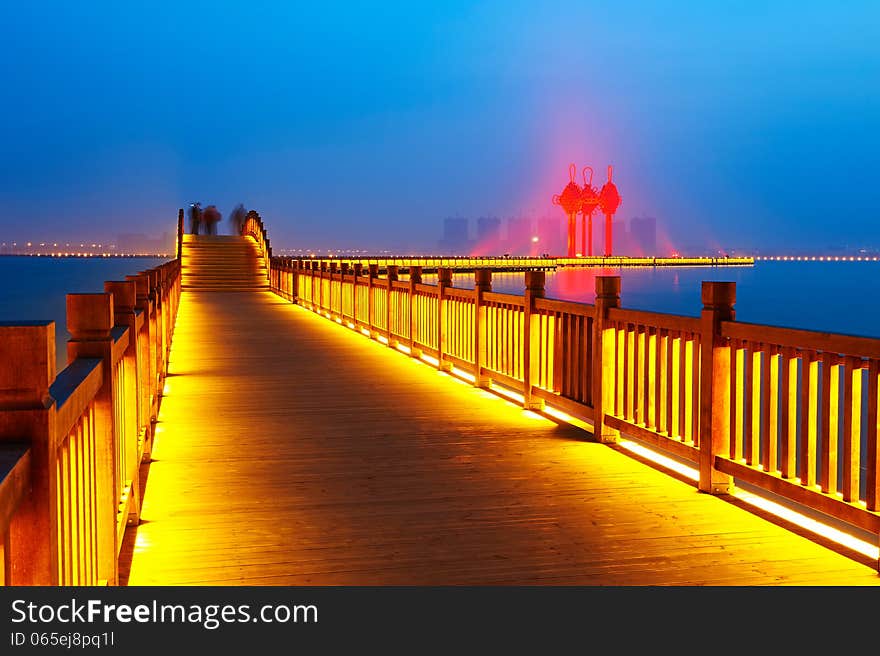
{"x":222,"y":263}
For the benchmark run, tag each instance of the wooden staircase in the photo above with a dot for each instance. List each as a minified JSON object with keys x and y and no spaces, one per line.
{"x":222,"y":263}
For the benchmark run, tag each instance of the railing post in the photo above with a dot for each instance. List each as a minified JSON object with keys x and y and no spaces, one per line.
{"x":718,"y":301}
{"x":333,"y":269}
{"x":297,"y":266}
{"x":604,"y":357}
{"x":322,"y":275}
{"x":124,"y":299}
{"x":444,"y":280}
{"x":482,"y":284}
{"x":27,"y":416}
{"x":391,"y":312}
{"x":179,"y":232}
{"x":148,"y":384}
{"x":310,"y":267}
{"x":344,"y":271}
{"x":415,"y":278}
{"x":373,"y":273}
{"x":89,"y":322}
{"x":358,"y":269}
{"x":534,"y":284}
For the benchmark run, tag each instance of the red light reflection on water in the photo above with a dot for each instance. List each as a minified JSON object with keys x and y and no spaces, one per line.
{"x":577,"y":283}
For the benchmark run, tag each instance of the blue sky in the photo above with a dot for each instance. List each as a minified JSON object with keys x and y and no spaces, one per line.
{"x":361,"y":125}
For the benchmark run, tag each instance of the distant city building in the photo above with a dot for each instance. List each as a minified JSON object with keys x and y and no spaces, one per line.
{"x":518,"y":237}
{"x":551,"y":235}
{"x":489,"y":230}
{"x":455,"y":240}
{"x":137,"y":243}
{"x":643,"y":235}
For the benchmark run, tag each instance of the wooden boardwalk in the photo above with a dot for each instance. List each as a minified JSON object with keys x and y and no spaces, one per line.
{"x":293,"y":451}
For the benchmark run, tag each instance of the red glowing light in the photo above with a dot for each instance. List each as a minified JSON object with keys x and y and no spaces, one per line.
{"x":609,"y":201}
{"x":570,"y":198}
{"x":570,"y":201}
{"x":575,"y":199}
{"x":589,"y":201}
{"x":609,"y":197}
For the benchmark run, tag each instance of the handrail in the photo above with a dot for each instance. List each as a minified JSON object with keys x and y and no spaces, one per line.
{"x":719,"y":393}
{"x":81,"y":434}
{"x":253,"y":227}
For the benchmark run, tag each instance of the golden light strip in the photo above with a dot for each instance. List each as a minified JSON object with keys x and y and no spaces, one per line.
{"x":788,"y":514}
{"x":835,"y":535}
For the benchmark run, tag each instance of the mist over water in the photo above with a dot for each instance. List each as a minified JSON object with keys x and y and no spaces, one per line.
{"x":839,"y":297}
{"x":36,"y":288}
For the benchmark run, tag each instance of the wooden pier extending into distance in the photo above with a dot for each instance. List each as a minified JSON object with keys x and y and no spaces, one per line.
{"x":231,"y":417}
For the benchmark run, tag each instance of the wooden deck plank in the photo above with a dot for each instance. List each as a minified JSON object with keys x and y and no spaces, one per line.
{"x":292,"y":451}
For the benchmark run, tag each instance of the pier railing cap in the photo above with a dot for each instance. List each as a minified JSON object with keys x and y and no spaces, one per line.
{"x":124,"y":294}
{"x":27,"y":351}
{"x":535,"y":280}
{"x":90,"y":316}
{"x":718,"y":294}
{"x":608,"y":286}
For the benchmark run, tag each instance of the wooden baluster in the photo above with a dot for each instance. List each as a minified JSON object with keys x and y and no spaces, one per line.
{"x":788,"y":394}
{"x":718,"y":301}
{"x":770,"y":401}
{"x":872,"y":456}
{"x":809,"y":410}
{"x":830,"y":422}
{"x":90,"y":319}
{"x":852,"y":425}
{"x":604,"y":357}
{"x":737,"y":396}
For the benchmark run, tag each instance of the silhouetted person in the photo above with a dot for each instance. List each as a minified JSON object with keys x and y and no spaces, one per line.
{"x":211,"y":217}
{"x":237,"y":218}
{"x":195,"y":217}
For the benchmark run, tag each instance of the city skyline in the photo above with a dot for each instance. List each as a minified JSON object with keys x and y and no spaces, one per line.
{"x":757,"y":126}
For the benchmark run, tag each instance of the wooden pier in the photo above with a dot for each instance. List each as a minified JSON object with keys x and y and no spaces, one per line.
{"x":325,"y":425}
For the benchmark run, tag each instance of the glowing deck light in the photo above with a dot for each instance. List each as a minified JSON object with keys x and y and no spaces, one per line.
{"x":461,"y":373}
{"x":350,"y":325}
{"x":366,"y":332}
{"x":789,"y":514}
{"x":836,"y":535}
{"x":383,"y":339}
{"x":509,"y":393}
{"x":166,"y":389}
{"x":664,"y":461}
{"x":404,"y":349}
{"x":430,"y":360}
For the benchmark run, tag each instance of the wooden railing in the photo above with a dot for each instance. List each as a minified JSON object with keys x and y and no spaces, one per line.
{"x":792,"y":412}
{"x":516,"y":263}
{"x":71,"y":444}
{"x":253,"y":227}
